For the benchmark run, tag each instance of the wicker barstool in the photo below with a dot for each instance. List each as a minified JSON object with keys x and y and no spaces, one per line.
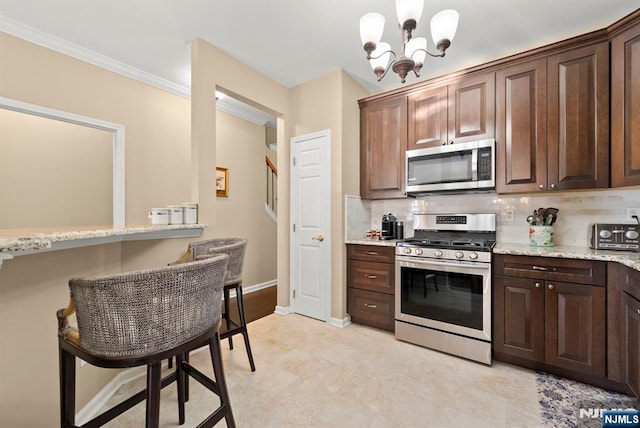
{"x":140,"y":318}
{"x":235,"y":248}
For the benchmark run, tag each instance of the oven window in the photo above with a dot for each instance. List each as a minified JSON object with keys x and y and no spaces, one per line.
{"x":449,"y":297}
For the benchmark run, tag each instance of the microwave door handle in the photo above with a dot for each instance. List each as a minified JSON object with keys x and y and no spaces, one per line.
{"x":474,"y":165}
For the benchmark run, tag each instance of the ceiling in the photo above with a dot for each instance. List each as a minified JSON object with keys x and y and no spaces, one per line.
{"x":294,"y":41}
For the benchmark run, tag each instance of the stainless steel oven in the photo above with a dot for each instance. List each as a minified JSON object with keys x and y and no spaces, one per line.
{"x":443,"y":284}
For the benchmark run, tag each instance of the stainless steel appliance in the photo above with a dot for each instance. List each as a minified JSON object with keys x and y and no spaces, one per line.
{"x":443,"y":284}
{"x":389,"y":224}
{"x":617,"y":236}
{"x":452,"y":167}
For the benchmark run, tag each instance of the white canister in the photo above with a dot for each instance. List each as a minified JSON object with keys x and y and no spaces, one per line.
{"x":159,"y":215}
{"x":175,"y":214}
{"x":190,"y":215}
{"x":541,"y":236}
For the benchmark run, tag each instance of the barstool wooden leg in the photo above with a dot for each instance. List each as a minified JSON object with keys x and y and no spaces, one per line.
{"x":227,"y":315}
{"x":243,"y":323}
{"x":181,"y":386}
{"x":218,"y":372}
{"x":154,"y":378}
{"x":67,"y":388}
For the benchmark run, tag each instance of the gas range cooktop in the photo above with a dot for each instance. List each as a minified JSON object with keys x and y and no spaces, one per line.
{"x":469,"y":237}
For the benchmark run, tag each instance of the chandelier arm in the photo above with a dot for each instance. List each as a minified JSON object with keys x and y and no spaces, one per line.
{"x":369,"y":57}
{"x":438,"y":55}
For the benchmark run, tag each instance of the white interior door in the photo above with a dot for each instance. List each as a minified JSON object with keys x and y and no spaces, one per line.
{"x":311,"y":223}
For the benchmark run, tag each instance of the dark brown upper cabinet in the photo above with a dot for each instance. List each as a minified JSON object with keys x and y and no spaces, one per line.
{"x":521,"y":127}
{"x":460,"y":111}
{"x":552,"y":123}
{"x":383,"y":144}
{"x":625,"y":106}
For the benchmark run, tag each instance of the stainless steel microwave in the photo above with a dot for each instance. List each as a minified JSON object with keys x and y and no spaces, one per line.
{"x":453,"y":167}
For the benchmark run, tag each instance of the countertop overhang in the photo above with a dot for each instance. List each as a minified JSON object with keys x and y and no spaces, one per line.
{"x":20,"y":242}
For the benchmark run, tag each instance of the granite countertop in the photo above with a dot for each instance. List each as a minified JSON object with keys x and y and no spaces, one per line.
{"x":26,"y":241}
{"x":627,"y":258}
{"x":373,"y":241}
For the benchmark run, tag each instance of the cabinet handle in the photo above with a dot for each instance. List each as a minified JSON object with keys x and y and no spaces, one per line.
{"x":370,"y":306}
{"x":541,"y":186}
{"x":550,"y":286}
{"x":538,"y":285}
{"x":553,"y":186}
{"x":543,"y":268}
{"x":638,"y":311}
{"x":372,"y":253}
{"x":370,"y":276}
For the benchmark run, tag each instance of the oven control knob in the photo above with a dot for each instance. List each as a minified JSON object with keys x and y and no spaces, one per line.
{"x":418,"y":251}
{"x":473,"y":256}
{"x":437,"y":253}
{"x":631,"y":234}
{"x":459,"y":254}
{"x":407,"y":250}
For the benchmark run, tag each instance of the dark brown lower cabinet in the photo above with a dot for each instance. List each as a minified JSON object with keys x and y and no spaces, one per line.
{"x":630,"y":333}
{"x":556,"y":323}
{"x":371,"y":285}
{"x":550,"y":314}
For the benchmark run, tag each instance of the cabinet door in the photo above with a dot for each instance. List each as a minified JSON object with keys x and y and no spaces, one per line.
{"x":625,"y":108}
{"x":427,"y":118}
{"x":521,"y":127}
{"x":578,"y":108}
{"x":631,"y":342}
{"x":518,"y":317}
{"x":383,"y":128}
{"x":472,"y":104}
{"x":575,"y":327}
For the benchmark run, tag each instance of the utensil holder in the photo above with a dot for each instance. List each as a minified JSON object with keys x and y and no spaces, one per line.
{"x":541,"y":236}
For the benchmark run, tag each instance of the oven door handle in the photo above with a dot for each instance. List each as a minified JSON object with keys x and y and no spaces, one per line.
{"x":443,"y":263}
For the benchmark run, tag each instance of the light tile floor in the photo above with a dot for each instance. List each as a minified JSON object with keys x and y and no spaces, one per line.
{"x":311,"y":374}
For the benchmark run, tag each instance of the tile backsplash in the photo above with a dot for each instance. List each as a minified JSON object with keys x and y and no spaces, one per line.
{"x":578,"y":209}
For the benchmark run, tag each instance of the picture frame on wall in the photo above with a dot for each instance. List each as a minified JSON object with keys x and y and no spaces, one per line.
{"x":222,"y":182}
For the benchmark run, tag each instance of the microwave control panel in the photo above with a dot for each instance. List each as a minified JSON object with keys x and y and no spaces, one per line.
{"x":484,"y":163}
{"x":617,"y":236}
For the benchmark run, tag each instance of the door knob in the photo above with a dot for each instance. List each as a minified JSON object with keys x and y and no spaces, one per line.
{"x":318,"y":238}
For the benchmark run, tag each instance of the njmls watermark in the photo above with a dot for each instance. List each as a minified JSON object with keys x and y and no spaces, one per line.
{"x":601,"y":414}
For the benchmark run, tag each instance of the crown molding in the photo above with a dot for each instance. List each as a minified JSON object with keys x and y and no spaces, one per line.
{"x":49,"y":41}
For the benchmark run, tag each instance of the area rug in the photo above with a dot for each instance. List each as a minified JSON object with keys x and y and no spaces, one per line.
{"x":567,"y":403}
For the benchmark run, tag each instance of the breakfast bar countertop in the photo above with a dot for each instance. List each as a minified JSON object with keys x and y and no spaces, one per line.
{"x":18,"y":242}
{"x":627,"y":258}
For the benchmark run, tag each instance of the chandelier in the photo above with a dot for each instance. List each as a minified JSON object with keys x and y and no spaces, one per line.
{"x":414,"y":49}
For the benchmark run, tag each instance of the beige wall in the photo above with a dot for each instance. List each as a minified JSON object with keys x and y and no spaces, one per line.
{"x":330,"y":102}
{"x":158,"y":161}
{"x":39,"y":157}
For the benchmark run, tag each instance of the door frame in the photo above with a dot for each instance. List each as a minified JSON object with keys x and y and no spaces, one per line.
{"x":326,"y":133}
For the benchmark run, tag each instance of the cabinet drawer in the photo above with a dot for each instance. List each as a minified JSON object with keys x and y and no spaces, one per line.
{"x":371,"y":253}
{"x":370,"y":308}
{"x":567,"y":270}
{"x":371,"y":276}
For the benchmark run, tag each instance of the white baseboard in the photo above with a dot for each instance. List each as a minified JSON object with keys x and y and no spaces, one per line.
{"x":337,"y":322}
{"x":283,"y":310}
{"x":94,"y":405}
